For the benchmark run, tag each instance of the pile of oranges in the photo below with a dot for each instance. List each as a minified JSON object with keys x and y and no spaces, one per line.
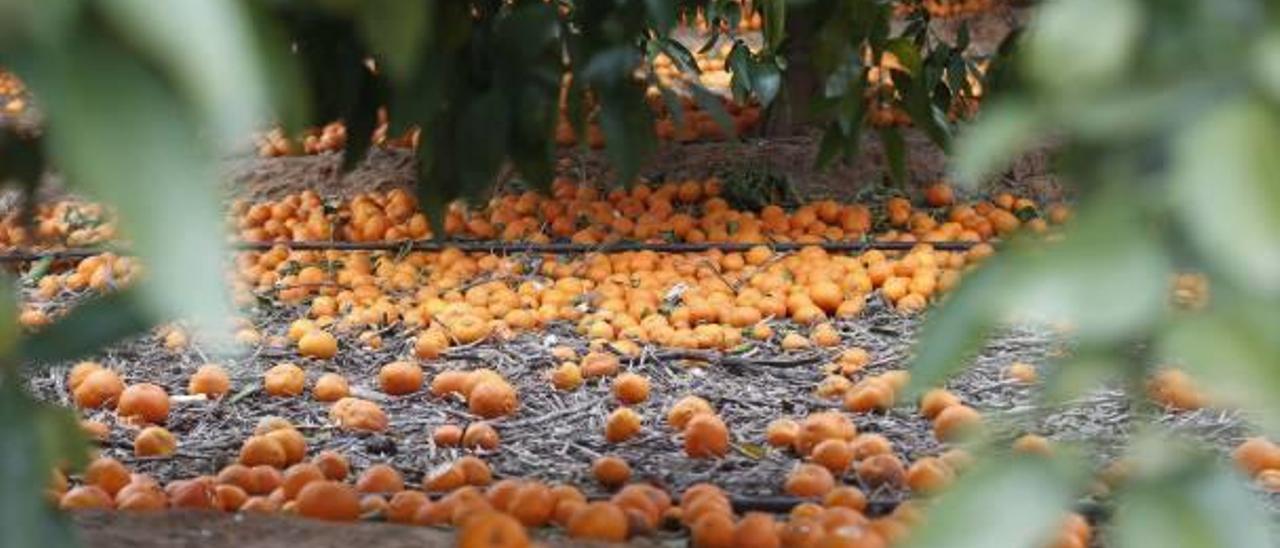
{"x":70,"y":222}
{"x":331,"y":138}
{"x":946,"y":8}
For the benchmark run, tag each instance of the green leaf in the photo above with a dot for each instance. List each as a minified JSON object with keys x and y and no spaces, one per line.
{"x":955,"y":331}
{"x":482,"y":130}
{"x":397,"y":30}
{"x":9,"y":331}
{"x":105,"y":112}
{"x":662,"y":13}
{"x":1032,"y":493}
{"x":1107,"y":279}
{"x":1079,"y":46}
{"x":766,"y":80}
{"x":21,"y":158}
{"x":1232,"y":353}
{"x":1201,"y":507}
{"x":88,"y":328}
{"x":1001,"y":132}
{"x":209,"y":47}
{"x":1079,"y":375}
{"x":895,"y":153}
{"x":35,"y":438}
{"x":774,"y":13}
{"x":679,"y":55}
{"x":1225,"y":191}
{"x":714,"y":105}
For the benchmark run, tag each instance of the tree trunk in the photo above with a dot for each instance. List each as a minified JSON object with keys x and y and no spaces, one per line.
{"x":792,"y":111}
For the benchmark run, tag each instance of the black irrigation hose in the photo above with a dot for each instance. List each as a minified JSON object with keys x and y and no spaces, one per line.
{"x":493,"y":246}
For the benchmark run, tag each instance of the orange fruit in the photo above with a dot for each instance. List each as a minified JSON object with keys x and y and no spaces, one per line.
{"x":1021,"y":372}
{"x":480,"y":435}
{"x":284,"y":380}
{"x":194,"y":494}
{"x":706,"y":436}
{"x":602,"y":521}
{"x":404,"y":506}
{"x":568,"y":376}
{"x":610,"y":471}
{"x":449,"y":382}
{"x":809,"y":480}
{"x":108,"y":474}
{"x":756,"y":530}
{"x":685,"y":409}
{"x":870,"y":396}
{"x":447,"y":435}
{"x":630,"y":388}
{"x":99,"y":388}
{"x":883,"y":469}
{"x":154,"y":441}
{"x":500,"y":494}
{"x":835,"y":455}
{"x":81,"y":371}
{"x":1269,"y":480}
{"x":331,"y":387}
{"x":713,"y":530}
{"x":1033,"y":444}
{"x":956,"y":421}
{"x":356,"y":414}
{"x":475,"y":471}
{"x":318,"y":344}
{"x":490,"y":529}
{"x":929,"y":475}
{"x":621,"y":425}
{"x":86,"y":497}
{"x":492,"y":399}
{"x":329,"y":501}
{"x":443,"y":479}
{"x":141,"y":497}
{"x":297,"y":477}
{"x":599,"y":364}
{"x":846,"y":496}
{"x":292,"y":441}
{"x":211,"y":380}
{"x":262,"y":450}
{"x":400,"y":378}
{"x":782,"y":432}
{"x":1256,"y":455}
{"x":333,"y":464}
{"x":939,"y":194}
{"x":264,"y":479}
{"x":934,"y":401}
{"x":532,"y":504}
{"x":379,"y":478}
{"x":822,"y":426}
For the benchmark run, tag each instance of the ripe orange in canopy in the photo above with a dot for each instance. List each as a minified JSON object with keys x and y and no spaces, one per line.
{"x":380,"y":478}
{"x":491,"y":529}
{"x":154,"y":441}
{"x":706,"y":436}
{"x":400,"y":378}
{"x":602,"y":521}
{"x":611,"y":471}
{"x":99,"y":388}
{"x":211,"y":380}
{"x":329,"y":501}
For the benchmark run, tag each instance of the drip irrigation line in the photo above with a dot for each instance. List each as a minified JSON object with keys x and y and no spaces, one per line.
{"x":491,"y":246}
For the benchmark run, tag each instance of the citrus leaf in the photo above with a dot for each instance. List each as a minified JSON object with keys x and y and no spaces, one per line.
{"x":1033,"y":494}
{"x":1226,"y":192}
{"x":1066,"y":60}
{"x":895,"y":153}
{"x":955,"y":331}
{"x":34,"y":440}
{"x":1204,"y":507}
{"x":995,"y":139}
{"x":396,"y":30}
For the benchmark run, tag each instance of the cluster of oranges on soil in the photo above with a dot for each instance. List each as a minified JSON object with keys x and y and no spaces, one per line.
{"x":275,"y":472}
{"x":71,"y":222}
{"x":332,"y":138}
